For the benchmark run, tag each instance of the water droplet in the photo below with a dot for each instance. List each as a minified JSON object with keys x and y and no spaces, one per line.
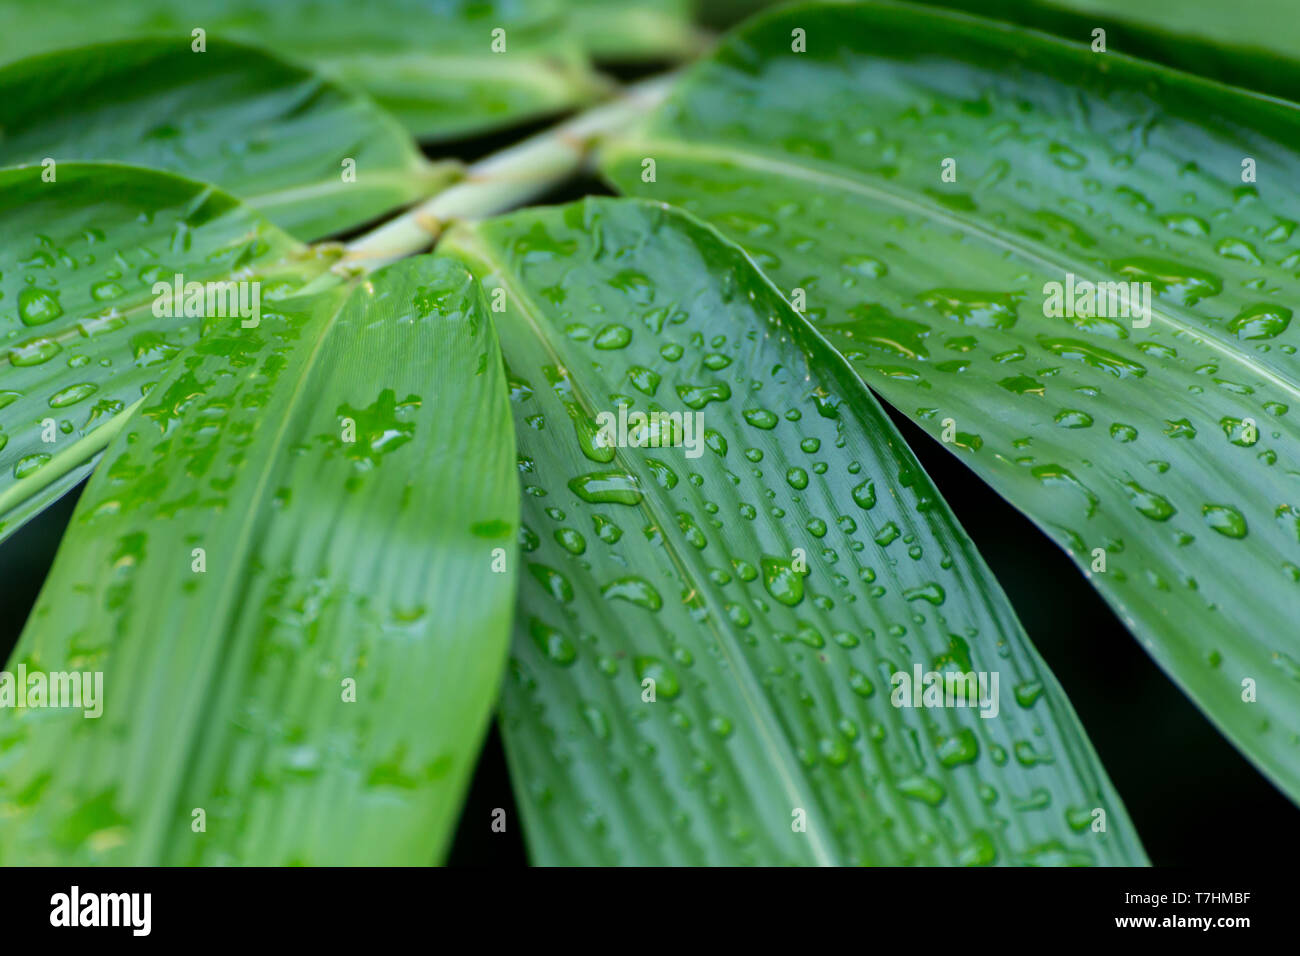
{"x":104,"y":291}
{"x":922,"y":788}
{"x":1169,"y":276}
{"x":960,"y":748}
{"x":990,"y":310}
{"x":634,"y":590}
{"x":1187,"y":224}
{"x":1022,"y":385}
{"x":1058,"y":475}
{"x":1264,"y":321}
{"x":864,"y":495}
{"x":555,"y":645}
{"x":1225,"y":519}
{"x":607,"y":487}
{"x":72,"y":394}
{"x":697,"y":396}
{"x":860,"y":684}
{"x":1073,"y":418}
{"x":1288,"y":519}
{"x":1066,"y":157}
{"x":29,"y":465}
{"x":930,"y":591}
{"x":1154,"y":506}
{"x":667,"y":685}
{"x":38,"y":306}
{"x":555,"y":583}
{"x":1093,"y":355}
{"x":781,"y":581}
{"x":34,"y":352}
{"x":570,"y":540}
{"x":612,"y":337}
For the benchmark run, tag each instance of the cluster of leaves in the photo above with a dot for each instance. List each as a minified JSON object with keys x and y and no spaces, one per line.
{"x":318,"y":548}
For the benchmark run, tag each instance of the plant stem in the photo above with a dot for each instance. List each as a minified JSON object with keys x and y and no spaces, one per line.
{"x":506,"y":179}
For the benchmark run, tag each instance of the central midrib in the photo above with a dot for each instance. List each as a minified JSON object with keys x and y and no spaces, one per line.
{"x":217,"y":629}
{"x":403,"y":176}
{"x":788,"y":768}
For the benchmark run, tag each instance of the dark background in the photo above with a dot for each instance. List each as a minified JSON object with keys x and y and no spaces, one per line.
{"x":1193,"y":798}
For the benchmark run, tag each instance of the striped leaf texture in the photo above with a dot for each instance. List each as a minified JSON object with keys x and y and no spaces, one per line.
{"x":715,"y":611}
{"x":1076,"y":269}
{"x":296,"y":597}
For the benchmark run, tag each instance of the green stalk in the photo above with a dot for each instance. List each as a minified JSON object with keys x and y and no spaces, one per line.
{"x":507,"y":179}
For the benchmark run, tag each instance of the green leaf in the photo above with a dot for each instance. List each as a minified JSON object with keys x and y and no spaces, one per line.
{"x":331,"y":567}
{"x":1255,"y":44}
{"x":721,"y":14}
{"x":634,"y":29}
{"x":686,"y":566}
{"x":80,"y":340}
{"x":277,"y":136}
{"x":430,"y":62}
{"x":1170,"y":451}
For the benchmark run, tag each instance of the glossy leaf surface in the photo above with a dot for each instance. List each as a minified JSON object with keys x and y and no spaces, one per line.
{"x":313,"y":157}
{"x":920,"y":180}
{"x":1254,"y":44}
{"x":430,"y":62}
{"x":288,"y":587}
{"x":763,"y":580}
{"x":81,"y":339}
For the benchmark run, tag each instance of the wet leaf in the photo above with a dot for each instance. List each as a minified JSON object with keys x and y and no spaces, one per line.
{"x":312,"y":156}
{"x":83,"y":331}
{"x":430,"y":62}
{"x":709,"y":622}
{"x":1255,"y":44}
{"x":289,"y":589}
{"x":634,"y":29}
{"x":1160,"y":448}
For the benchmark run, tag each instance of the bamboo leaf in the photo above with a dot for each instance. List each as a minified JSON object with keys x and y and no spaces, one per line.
{"x":634,"y":29}
{"x":721,"y":14}
{"x":429,"y":62}
{"x":942,"y":191}
{"x":1255,"y":44}
{"x":81,"y":339}
{"x":763,"y":581}
{"x":300,"y":632}
{"x":312,"y":156}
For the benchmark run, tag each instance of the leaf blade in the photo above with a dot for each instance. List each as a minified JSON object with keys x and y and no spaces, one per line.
{"x":1255,"y":46}
{"x":766,"y":703}
{"x":934,"y":290}
{"x":275,"y":135}
{"x":431,"y":64}
{"x":324,"y":562}
{"x":79,"y":258}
